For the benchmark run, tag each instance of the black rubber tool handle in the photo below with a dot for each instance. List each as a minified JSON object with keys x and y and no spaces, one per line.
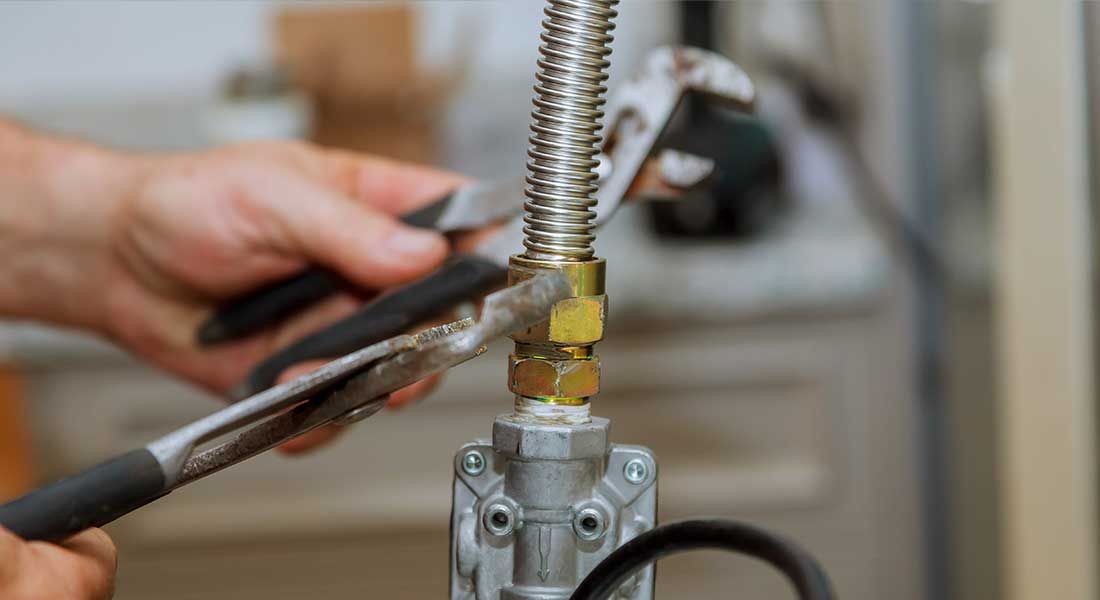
{"x":89,"y":499}
{"x":463,"y":278}
{"x":271,"y":304}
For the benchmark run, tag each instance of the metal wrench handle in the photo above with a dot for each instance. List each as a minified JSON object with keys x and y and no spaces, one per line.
{"x":356,"y":383}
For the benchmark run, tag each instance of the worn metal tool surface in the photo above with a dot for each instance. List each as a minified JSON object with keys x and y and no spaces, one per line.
{"x":347,"y":389}
{"x":629,"y":167}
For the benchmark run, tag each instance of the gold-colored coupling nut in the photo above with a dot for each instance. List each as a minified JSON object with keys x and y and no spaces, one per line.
{"x":556,"y":379}
{"x":576,"y":321}
{"x":554,"y":360}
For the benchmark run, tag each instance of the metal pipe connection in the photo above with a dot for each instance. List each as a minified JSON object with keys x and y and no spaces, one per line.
{"x":554,"y":369}
{"x":565,"y":134}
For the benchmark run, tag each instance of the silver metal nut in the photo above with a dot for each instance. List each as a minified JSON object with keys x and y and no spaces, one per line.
{"x":590,"y":524}
{"x":499,"y":519}
{"x":515,"y":437}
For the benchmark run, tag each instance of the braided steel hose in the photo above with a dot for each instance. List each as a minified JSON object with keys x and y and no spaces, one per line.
{"x":565,"y":134}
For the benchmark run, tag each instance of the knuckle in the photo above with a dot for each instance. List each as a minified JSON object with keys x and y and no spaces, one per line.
{"x":107,"y":547}
{"x":95,"y":577}
{"x":96,"y":584}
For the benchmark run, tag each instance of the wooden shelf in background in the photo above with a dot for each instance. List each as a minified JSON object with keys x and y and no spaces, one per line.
{"x":15,"y":460}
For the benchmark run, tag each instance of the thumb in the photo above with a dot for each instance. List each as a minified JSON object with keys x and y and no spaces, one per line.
{"x":82,"y":567}
{"x":368,"y":247}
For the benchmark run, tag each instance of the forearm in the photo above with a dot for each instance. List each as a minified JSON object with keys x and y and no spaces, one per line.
{"x":57,"y":200}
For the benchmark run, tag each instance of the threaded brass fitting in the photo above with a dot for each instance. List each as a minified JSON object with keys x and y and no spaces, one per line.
{"x":554,"y":379}
{"x":554,"y":361}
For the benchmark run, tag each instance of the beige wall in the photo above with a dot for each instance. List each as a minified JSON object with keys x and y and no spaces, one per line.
{"x":1047,"y":419}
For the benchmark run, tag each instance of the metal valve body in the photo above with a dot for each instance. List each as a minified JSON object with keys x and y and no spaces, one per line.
{"x":538,"y":507}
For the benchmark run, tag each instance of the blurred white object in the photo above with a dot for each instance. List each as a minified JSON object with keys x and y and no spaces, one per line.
{"x":793,"y":31}
{"x":258,"y":103}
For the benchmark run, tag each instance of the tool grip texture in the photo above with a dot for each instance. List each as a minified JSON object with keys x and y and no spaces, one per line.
{"x":464,"y":278}
{"x":253,"y":311}
{"x":89,"y":499}
{"x":273,"y":303}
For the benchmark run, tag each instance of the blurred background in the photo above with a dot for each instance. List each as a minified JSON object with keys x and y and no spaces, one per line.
{"x":821,"y":345}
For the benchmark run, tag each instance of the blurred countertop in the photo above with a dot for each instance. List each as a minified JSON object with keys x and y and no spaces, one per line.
{"x":813,"y":261}
{"x":820,"y":258}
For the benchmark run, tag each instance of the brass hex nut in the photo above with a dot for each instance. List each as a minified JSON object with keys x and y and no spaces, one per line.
{"x":578,"y":321}
{"x":547,"y":378}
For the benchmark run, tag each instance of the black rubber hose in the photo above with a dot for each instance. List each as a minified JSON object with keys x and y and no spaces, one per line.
{"x":803,"y":571}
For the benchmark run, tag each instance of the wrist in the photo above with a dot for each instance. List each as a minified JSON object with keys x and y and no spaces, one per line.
{"x":57,"y":203}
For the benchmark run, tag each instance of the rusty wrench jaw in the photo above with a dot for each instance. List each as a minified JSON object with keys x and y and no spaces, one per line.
{"x":402,"y":360}
{"x":347,"y":385}
{"x":642,"y":107}
{"x":356,"y":384}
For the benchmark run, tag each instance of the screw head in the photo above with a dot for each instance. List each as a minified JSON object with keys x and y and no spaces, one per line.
{"x":636,"y":471}
{"x":473,"y":463}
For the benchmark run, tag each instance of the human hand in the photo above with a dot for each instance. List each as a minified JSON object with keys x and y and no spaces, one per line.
{"x":198,"y":229}
{"x":158,"y":242}
{"x":80,"y":568}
